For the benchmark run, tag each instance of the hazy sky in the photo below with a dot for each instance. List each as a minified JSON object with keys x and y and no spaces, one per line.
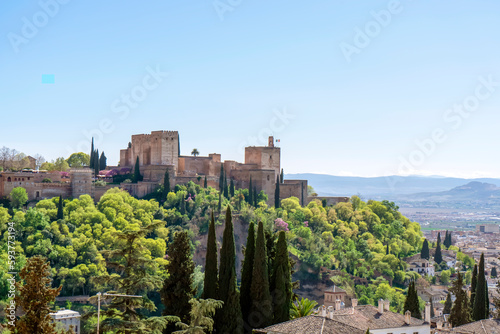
{"x":349,"y":87}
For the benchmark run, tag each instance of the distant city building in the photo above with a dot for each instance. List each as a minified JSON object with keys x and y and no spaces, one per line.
{"x":488,"y":228}
{"x":67,"y":318}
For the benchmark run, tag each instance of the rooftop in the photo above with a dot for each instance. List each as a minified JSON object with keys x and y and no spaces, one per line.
{"x":311,"y":324}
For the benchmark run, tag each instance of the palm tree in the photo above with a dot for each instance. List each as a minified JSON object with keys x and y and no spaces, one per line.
{"x":195,"y":152}
{"x":202,"y":311}
{"x":302,"y":308}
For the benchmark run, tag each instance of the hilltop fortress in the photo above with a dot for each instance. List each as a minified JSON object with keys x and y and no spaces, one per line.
{"x":158,"y":152}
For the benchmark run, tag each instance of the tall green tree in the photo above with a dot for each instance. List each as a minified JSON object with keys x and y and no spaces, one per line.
{"x":210,"y":284}
{"x":255,"y":197}
{"x":60,"y":213}
{"x":205,"y":183}
{"x":438,"y":257}
{"x":166,"y":186}
{"x":281,"y":281}
{"x":91,"y":155}
{"x":102,"y":161}
{"x":177,"y":288}
{"x":246,"y":273}
{"x":250,"y":192}
{"x":133,"y":272}
{"x":486,"y":301}
{"x":34,"y":298}
{"x":262,"y":309}
{"x":137,"y":171}
{"x":231,"y":188}
{"x":226,"y":190}
{"x":282,"y":177}
{"x":479,"y":310}
{"x":447,"y":304}
{"x":277,"y":193}
{"x":460,"y":314}
{"x":96,"y":162}
{"x":229,"y":317}
{"x":424,"y":254}
{"x":473,"y":286}
{"x":221,"y":178}
{"x":411,"y":302}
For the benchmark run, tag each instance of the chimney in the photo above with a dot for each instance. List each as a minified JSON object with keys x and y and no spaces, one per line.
{"x":323,"y":311}
{"x":386,"y":305}
{"x":330,"y":312}
{"x":407,"y":317}
{"x":380,"y":305}
{"x":354,"y":302}
{"x":427,"y":312}
{"x":337,"y":304}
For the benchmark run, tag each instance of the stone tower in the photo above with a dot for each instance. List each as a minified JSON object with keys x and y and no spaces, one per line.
{"x":81,"y":182}
{"x":157,"y":148}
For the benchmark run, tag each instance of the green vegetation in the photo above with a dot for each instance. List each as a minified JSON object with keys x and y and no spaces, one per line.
{"x":18,"y":197}
{"x":85,"y":247}
{"x":479,"y":308}
{"x":460,"y":313}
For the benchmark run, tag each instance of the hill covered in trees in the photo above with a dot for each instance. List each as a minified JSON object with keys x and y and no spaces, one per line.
{"x":358,"y":238}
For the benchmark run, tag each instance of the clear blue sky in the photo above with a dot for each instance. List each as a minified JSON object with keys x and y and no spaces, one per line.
{"x":228,"y":77}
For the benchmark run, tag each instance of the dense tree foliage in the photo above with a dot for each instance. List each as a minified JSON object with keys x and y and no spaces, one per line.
{"x":460,"y":313}
{"x":479,"y":308}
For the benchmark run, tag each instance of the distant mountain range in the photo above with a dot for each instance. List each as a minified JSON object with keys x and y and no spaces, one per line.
{"x":418,"y":188}
{"x":472,"y":191}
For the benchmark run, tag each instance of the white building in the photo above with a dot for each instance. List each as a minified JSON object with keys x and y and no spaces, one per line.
{"x":67,"y":318}
{"x":422,"y":266}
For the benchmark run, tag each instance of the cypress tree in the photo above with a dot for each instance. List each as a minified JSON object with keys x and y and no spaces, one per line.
{"x":479,"y":311}
{"x":494,"y":272}
{"x":102,"y":161}
{"x":137,"y":171}
{"x":460,"y":313}
{"x":411,"y":302}
{"x":281,"y":176}
{"x":183,"y":204}
{"x":96,"y":162}
{"x":60,"y":213}
{"x":487,"y":302}
{"x":473,"y":285}
{"x":166,"y":186}
{"x":424,"y":254}
{"x":246,"y":273}
{"x":447,"y":304}
{"x":438,"y":257}
{"x":229,"y":316}
{"x":91,"y":155}
{"x":255,"y":197}
{"x":261,"y":297}
{"x":281,"y":281}
{"x":387,"y":250}
{"x":250,"y":192}
{"x":432,"y":310}
{"x":210,"y":282}
{"x":221,"y":177}
{"x":226,"y":192}
{"x":277,"y":193}
{"x":231,"y":188}
{"x":205,"y":183}
{"x":177,"y":288}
